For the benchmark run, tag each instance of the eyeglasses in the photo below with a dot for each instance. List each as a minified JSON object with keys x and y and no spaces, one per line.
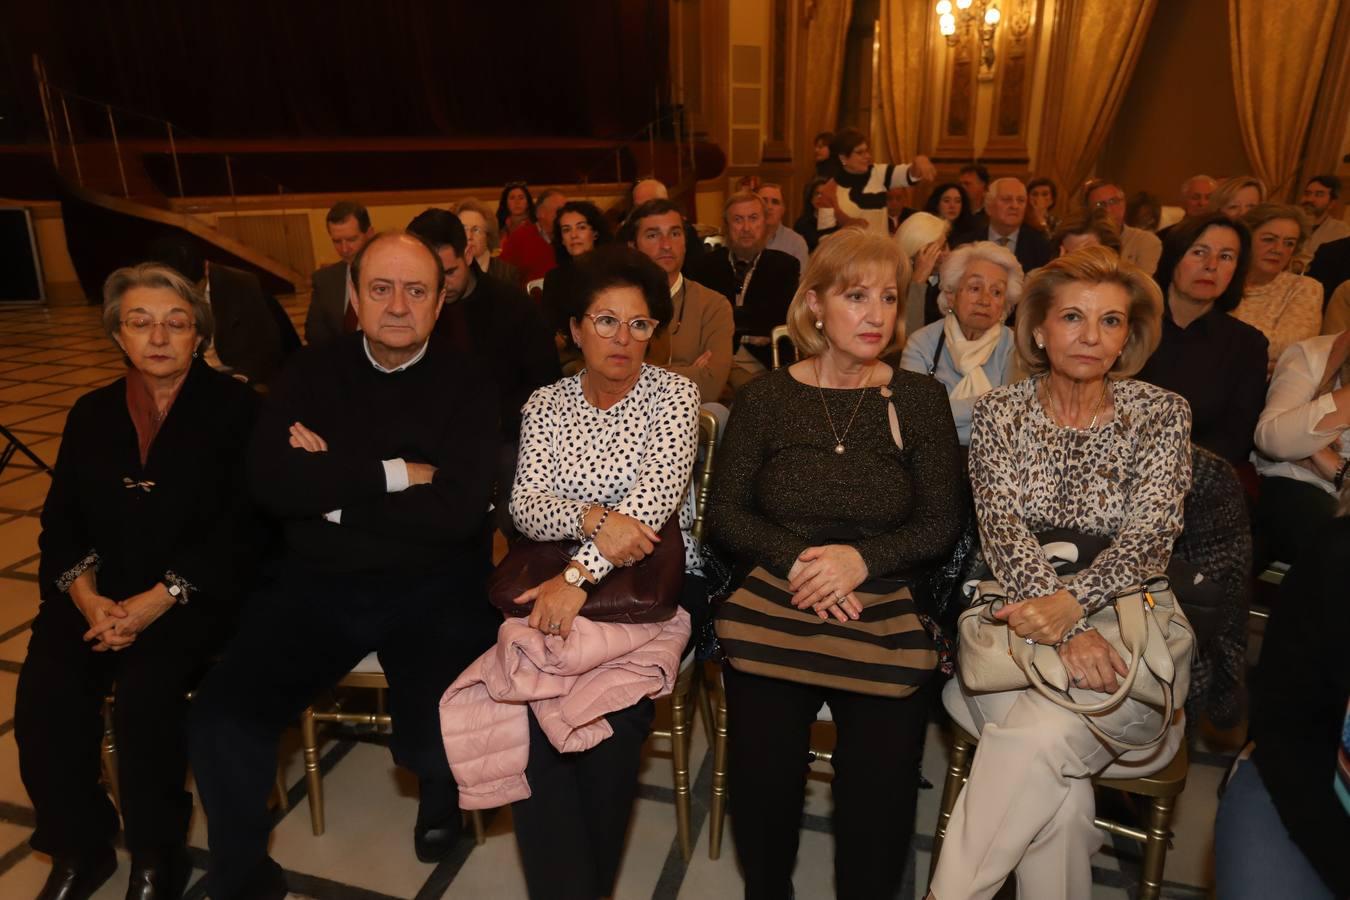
{"x":1113,"y":201}
{"x":176,"y":325}
{"x":607,"y":326}
{"x":475,"y":229}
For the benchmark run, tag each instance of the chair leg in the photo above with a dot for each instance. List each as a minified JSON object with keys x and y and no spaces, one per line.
{"x":679,"y":759}
{"x":1155,"y":850}
{"x":479,"y":829}
{"x":703,"y":693}
{"x":717,"y":813}
{"x":108,"y":755}
{"x":309,"y":738}
{"x":958,"y":769}
{"x":279,"y":788}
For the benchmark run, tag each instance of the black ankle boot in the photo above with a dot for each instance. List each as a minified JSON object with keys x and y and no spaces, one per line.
{"x":438,"y":820}
{"x":78,"y":877}
{"x":159,"y":875}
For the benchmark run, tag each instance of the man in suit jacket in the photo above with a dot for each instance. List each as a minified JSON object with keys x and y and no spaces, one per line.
{"x":1006,"y":204}
{"x":1331,"y":265}
{"x":330,"y":312}
{"x":759,"y":282}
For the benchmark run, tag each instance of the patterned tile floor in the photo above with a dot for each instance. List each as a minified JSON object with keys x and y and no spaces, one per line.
{"x":48,"y":358}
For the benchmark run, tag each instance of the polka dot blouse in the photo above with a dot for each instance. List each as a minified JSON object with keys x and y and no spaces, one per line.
{"x":635,"y":458}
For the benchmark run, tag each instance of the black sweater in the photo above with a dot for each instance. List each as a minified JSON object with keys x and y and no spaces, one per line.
{"x":194,"y":521}
{"x":439,"y":411}
{"x":1298,"y":703}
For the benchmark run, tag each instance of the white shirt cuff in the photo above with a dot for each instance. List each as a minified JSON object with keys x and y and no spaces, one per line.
{"x":395,"y":475}
{"x":334,"y":516}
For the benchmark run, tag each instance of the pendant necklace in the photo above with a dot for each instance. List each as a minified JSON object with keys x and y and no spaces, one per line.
{"x":839,"y":438}
{"x":1096,"y":408}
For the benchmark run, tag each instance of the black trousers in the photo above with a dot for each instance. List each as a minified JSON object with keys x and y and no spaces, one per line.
{"x":875,"y":783}
{"x":59,"y":728}
{"x":1290,"y":514}
{"x":571,"y":830}
{"x":300,"y":635}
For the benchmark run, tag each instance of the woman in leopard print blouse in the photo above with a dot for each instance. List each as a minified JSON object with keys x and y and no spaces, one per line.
{"x":1079,"y":445}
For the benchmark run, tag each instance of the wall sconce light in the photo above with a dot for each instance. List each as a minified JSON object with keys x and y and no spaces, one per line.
{"x":973,"y":21}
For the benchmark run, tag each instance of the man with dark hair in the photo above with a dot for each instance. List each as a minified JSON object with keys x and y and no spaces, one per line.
{"x":1006,"y":206}
{"x":377,"y":453}
{"x":697,"y":341}
{"x":330,"y":310}
{"x":498,"y":325}
{"x":974,"y":178}
{"x":1319,"y":197}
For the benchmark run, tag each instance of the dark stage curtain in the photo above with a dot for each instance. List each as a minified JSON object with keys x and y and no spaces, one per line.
{"x":261,"y":68}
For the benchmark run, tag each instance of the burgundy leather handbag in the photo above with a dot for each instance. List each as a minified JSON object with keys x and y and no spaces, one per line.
{"x":647,"y":591}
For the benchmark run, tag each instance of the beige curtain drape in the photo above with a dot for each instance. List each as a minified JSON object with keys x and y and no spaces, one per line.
{"x":1332,"y":109}
{"x":826,"y":31}
{"x":1278,"y":53}
{"x":1095,"y":45}
{"x":903,"y":65}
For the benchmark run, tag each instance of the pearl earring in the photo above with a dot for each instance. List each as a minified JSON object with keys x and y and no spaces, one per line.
{"x":819,"y":325}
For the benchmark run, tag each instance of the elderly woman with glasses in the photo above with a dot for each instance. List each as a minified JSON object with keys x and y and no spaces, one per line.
{"x":145,"y":544}
{"x":970,"y":350}
{"x":605,"y":456}
{"x":1285,"y":307}
{"x":484,"y":236}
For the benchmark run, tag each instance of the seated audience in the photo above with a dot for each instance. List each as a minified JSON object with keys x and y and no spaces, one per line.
{"x":1006,"y":225}
{"x":1137,"y":246}
{"x":777,"y":235}
{"x":605,"y":454}
{"x":759,"y":282}
{"x":949,"y":201}
{"x":578,"y":228}
{"x":1283,"y":824}
{"x":1319,"y":197}
{"x":813,"y":201}
{"x":1301,"y":447}
{"x":923,"y":243}
{"x":1285,"y":307}
{"x":696,"y":342}
{"x":1195,"y":194}
{"x":253,"y":335}
{"x":1235,"y":197}
{"x":826,"y":499}
{"x":1142,"y":211}
{"x":531,"y":249}
{"x":377,"y":453}
{"x":1042,"y":195}
{"x":860,"y":196}
{"x":1085,"y":324}
{"x":146,"y":541}
{"x":1216,"y":362}
{"x":897,"y":210}
{"x":970,"y":351}
{"x":515,"y":207}
{"x":975,"y":181}
{"x":330,"y":314}
{"x":484,"y":236}
{"x":1086,"y":228}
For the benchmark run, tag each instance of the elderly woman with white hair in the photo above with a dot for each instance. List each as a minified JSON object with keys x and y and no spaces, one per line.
{"x":923,"y":241}
{"x":484,"y":234}
{"x":970,"y":350}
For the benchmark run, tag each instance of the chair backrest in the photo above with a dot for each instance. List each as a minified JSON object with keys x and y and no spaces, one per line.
{"x":779,"y":333}
{"x":710,"y":425}
{"x":535,"y":289}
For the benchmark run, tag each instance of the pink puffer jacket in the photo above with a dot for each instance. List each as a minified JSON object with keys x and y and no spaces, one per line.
{"x":571,"y":684}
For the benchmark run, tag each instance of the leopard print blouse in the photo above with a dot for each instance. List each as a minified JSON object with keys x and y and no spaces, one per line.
{"x":1125,"y":480}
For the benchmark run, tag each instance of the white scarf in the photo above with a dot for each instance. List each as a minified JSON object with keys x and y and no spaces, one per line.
{"x":969,"y":357}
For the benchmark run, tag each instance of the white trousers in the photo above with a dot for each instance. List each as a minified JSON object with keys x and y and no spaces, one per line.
{"x":1028,"y":806}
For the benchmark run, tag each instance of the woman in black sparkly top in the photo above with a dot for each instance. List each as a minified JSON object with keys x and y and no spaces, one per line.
{"x":834,"y":470}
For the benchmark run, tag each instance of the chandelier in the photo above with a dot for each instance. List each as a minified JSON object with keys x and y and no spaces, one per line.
{"x":971,"y":23}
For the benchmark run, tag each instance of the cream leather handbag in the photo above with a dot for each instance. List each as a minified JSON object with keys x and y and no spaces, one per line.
{"x":1145,"y":625}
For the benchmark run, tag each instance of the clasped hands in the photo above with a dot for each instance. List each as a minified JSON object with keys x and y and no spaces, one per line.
{"x":115,"y":626}
{"x":1090,"y":660}
{"x":824,"y":578}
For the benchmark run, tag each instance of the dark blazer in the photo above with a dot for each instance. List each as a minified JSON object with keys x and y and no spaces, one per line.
{"x":1331,"y":266}
{"x":327,"y":304}
{"x":765,"y":304}
{"x":249,"y":337}
{"x":194,"y":521}
{"x":1033,"y":247}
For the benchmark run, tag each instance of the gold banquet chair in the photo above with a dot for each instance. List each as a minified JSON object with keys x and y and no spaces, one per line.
{"x":369,"y":675}
{"x":1161,"y":788}
{"x":778,"y":335}
{"x":687,"y":683}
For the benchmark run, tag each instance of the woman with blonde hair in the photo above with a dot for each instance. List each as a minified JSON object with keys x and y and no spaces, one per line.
{"x":835,"y":473}
{"x":1235,"y":197}
{"x":1285,"y":307}
{"x":484,"y":234}
{"x":1081,"y":445}
{"x":922,"y":239}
